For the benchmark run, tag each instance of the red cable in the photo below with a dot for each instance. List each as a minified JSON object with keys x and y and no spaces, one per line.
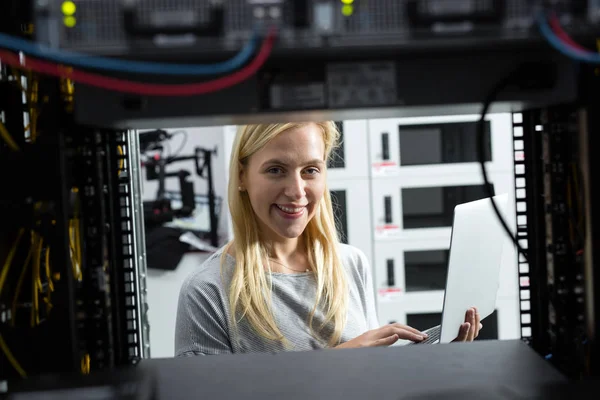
{"x":564,"y":36}
{"x":140,"y":88}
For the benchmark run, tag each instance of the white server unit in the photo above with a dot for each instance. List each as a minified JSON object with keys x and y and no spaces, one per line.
{"x":420,"y":208}
{"x":403,"y":147}
{"x":410,"y":286}
{"x":502,"y":324}
{"x":402,"y":268}
{"x":421,"y":168}
{"x":351,"y":158}
{"x":351,"y":206}
{"x":349,"y":185}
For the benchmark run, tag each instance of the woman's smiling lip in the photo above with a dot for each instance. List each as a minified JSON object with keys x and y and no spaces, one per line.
{"x":290,"y":211}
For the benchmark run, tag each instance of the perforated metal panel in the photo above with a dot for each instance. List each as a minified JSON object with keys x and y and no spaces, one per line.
{"x":374,"y":16}
{"x":99,"y":23}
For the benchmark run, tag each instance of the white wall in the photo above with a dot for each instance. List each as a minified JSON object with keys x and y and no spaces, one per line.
{"x":163,"y":294}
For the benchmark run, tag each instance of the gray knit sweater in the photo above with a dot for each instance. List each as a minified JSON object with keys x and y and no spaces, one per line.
{"x":203,"y":324}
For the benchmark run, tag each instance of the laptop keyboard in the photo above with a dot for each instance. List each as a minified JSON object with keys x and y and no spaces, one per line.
{"x":433,"y":335}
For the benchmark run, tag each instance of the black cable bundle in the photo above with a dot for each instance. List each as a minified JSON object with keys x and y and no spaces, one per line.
{"x":529,"y":76}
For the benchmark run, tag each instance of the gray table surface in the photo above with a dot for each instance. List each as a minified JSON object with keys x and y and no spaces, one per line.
{"x":480,"y":370}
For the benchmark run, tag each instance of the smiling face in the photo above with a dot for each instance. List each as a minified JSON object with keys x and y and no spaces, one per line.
{"x":285,"y":181}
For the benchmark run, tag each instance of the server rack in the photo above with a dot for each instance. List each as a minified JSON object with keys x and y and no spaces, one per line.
{"x":73,"y":297}
{"x":413,"y":196}
{"x":553,"y":159}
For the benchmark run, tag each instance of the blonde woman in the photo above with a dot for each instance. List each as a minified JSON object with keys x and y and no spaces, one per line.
{"x":284,"y":282}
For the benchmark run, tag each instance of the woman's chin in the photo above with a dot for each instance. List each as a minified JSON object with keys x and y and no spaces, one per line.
{"x":291,"y":235}
{"x":291,"y":232}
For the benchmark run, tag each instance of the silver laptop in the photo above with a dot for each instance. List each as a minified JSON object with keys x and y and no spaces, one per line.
{"x":474,"y":264}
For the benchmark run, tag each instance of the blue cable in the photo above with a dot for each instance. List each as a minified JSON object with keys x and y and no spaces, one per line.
{"x":557,"y":43}
{"x":140,"y":67}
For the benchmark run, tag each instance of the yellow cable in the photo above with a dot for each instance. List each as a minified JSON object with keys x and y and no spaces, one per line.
{"x":75,"y":240}
{"x":122,"y":160}
{"x":75,"y":258}
{"x":78,"y":248}
{"x":11,"y":359}
{"x":49,"y":271}
{"x":38,"y":260}
{"x":7,"y":138}
{"x":85,"y":364}
{"x":33,"y":122}
{"x":20,"y":283}
{"x":72,"y":248}
{"x":34,"y":285}
{"x":9,"y":258}
{"x":38,"y":282}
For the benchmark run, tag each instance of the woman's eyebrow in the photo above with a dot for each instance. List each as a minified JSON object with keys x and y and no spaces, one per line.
{"x":286,"y":163}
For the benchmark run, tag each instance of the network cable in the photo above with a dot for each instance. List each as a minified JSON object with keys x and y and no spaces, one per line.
{"x":143,"y":88}
{"x":564,"y":45}
{"x":11,"y":358}
{"x":8,"y":138}
{"x":21,"y":280}
{"x":138,"y":67}
{"x":3,"y":274}
{"x":526,"y":75}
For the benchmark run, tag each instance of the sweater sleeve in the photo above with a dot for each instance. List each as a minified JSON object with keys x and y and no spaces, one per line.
{"x":201,"y":327}
{"x":364,"y":269}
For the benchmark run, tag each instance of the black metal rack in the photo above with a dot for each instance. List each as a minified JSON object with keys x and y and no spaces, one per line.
{"x":554,"y":312}
{"x":79,"y":204}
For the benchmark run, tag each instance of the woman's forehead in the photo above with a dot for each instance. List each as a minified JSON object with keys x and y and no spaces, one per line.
{"x":299,"y":144}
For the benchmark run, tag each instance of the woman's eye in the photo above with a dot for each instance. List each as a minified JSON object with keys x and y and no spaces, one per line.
{"x":274,"y":170}
{"x":312,"y":171}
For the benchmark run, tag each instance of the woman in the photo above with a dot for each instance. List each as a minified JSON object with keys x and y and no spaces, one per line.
{"x":284,"y":282}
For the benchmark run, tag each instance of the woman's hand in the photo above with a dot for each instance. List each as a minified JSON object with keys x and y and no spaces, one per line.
{"x":469,"y":330}
{"x":384,"y":336}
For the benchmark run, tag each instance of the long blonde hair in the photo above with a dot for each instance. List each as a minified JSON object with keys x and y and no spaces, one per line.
{"x":250,"y":289}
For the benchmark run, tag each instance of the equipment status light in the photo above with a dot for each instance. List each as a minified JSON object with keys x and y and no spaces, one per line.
{"x":68,"y":8}
{"x":347,"y":8}
{"x":69,"y":21}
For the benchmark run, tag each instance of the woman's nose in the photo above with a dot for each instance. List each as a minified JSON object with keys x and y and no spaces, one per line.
{"x":295,"y":187}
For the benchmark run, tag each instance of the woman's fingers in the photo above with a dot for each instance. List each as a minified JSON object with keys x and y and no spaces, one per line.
{"x":471,"y":320}
{"x":477,"y":325}
{"x":410,"y":334}
{"x":387,"y":341}
{"x":402,"y":331}
{"x":410,"y":329}
{"x":463,"y":332}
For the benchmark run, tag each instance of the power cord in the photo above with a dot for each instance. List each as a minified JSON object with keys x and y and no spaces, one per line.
{"x":83,"y":60}
{"x":181,"y":145}
{"x":527,"y":76}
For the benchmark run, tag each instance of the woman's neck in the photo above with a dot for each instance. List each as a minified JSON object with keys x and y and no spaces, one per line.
{"x":288,"y":256}
{"x":285,"y":250}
